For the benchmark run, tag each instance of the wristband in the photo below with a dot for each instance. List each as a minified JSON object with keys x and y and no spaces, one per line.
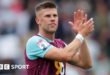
{"x":80,"y":37}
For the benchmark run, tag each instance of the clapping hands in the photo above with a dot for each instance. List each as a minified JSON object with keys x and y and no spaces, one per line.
{"x":81,"y":24}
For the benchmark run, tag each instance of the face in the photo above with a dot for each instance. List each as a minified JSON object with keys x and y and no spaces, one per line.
{"x":47,"y":20}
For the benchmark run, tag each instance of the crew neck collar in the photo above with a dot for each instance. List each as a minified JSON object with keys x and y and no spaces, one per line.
{"x":47,"y":39}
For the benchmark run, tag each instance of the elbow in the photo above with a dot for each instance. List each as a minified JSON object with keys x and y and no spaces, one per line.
{"x":87,"y":66}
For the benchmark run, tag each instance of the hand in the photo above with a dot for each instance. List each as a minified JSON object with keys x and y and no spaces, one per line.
{"x":80,"y":23}
{"x":79,"y":18}
{"x":86,"y":28}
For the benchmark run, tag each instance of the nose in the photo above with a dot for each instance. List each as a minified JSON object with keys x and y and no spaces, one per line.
{"x":52,"y":18}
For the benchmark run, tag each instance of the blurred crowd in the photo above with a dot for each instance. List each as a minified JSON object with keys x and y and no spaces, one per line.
{"x":17,"y":24}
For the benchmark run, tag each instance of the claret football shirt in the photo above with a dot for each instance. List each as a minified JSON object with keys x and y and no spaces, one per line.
{"x":36,"y":47}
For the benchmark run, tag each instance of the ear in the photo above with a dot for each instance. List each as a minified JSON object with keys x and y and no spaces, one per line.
{"x":37,"y":20}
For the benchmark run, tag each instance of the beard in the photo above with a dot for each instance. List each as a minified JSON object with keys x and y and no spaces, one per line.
{"x":50,"y":30}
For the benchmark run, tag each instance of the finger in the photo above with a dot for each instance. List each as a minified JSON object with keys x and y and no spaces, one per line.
{"x":78,"y":13}
{"x":85,"y":18}
{"x":73,"y":26}
{"x":71,"y":23}
{"x":74,"y":17}
{"x":82,"y":15}
{"x":90,"y":21}
{"x":91,"y":29}
{"x":92,"y":26}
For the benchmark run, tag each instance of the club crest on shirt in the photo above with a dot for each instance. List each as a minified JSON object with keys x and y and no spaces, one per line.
{"x":43,"y":44}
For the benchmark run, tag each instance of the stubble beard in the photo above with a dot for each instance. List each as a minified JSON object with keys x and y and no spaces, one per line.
{"x":50,"y":31}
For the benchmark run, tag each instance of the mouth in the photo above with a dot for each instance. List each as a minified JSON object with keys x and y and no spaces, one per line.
{"x":53,"y":24}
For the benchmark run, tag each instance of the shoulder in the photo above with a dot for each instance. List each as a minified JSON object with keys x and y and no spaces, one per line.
{"x":34,"y":39}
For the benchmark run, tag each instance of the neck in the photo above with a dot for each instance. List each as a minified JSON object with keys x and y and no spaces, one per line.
{"x":50,"y":36}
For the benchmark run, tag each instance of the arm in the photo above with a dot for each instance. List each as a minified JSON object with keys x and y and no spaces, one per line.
{"x":82,"y":58}
{"x":69,"y":53}
{"x":84,"y":53}
{"x":64,"y":54}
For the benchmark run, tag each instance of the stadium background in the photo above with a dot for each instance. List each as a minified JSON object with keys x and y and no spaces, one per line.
{"x":17,"y":24}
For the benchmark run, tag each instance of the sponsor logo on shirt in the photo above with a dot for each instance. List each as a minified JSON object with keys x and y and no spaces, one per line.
{"x":43,"y":44}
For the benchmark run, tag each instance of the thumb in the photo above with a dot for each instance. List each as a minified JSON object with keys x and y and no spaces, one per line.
{"x":71,"y":23}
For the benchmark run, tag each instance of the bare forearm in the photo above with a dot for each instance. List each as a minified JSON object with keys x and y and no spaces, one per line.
{"x":72,"y":48}
{"x":66,"y":53}
{"x":85,"y":55}
{"x":82,"y":59}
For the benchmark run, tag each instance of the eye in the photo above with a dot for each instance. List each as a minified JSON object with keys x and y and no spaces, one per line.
{"x":55,"y":15}
{"x":47,"y":15}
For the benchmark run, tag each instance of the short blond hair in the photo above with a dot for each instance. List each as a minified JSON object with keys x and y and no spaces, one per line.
{"x":45,"y":5}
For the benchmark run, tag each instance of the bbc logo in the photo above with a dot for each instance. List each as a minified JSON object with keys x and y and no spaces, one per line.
{"x":1,"y":66}
{"x":4,"y":67}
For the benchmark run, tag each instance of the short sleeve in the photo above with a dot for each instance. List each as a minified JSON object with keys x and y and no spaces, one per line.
{"x":37,"y":47}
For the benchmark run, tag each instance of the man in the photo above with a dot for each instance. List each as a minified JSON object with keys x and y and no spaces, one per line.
{"x":46,"y":55}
